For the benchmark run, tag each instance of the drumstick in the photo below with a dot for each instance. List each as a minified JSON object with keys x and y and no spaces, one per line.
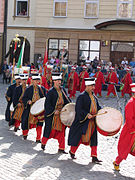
{"x":132,"y":132}
{"x":100,"y":114}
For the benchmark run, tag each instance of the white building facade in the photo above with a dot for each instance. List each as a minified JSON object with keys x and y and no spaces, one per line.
{"x":85,"y":28}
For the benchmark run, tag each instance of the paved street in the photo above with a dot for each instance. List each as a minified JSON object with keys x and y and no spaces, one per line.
{"x":24,"y":160}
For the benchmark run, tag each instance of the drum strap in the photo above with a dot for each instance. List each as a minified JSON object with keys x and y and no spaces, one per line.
{"x":65,"y":95}
{"x":42,"y":91}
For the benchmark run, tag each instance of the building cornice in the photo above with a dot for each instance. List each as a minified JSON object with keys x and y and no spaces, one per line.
{"x":114,"y":22}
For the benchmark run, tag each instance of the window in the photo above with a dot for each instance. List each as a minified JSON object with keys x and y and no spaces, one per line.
{"x":91,"y":9}
{"x":124,"y":8}
{"x":88,"y":48}
{"x":60,"y":8}
{"x":22,"y":8}
{"x":58,"y":47}
{"x":122,"y":46}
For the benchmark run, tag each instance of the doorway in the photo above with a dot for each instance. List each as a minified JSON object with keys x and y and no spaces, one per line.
{"x":119,"y":50}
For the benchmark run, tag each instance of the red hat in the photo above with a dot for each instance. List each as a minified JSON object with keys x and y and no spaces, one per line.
{"x":132,"y":87}
{"x":128,"y":68}
{"x":84,"y":67}
{"x":98,"y":67}
{"x":112,"y":68}
{"x":33,"y":71}
{"x":73,"y":68}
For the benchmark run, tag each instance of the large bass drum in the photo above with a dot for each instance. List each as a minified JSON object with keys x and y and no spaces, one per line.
{"x":67,"y":114}
{"x":37,"y":108}
{"x":109,"y":121}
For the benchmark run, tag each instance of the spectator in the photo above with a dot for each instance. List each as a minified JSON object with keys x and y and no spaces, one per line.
{"x":88,"y":61}
{"x":124,"y":62}
{"x":95,"y":62}
{"x":40,"y":62}
{"x":32,"y":66}
{"x":93,"y":73}
{"x":57,"y":60}
{"x":10,"y":72}
{"x":4,"y":71}
{"x":52,"y":60}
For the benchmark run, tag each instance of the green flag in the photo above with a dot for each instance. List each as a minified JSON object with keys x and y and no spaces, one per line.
{"x":20,"y":60}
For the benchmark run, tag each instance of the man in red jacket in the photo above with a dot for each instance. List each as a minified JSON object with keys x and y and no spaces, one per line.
{"x":73,"y":82}
{"x":126,"y":142}
{"x":43,"y":81}
{"x":111,"y":79}
{"x":99,"y":81}
{"x":83,"y":74}
{"x":126,"y":80}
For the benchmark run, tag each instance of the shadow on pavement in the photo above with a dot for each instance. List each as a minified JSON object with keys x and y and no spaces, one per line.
{"x":12,"y":143}
{"x":61,"y":167}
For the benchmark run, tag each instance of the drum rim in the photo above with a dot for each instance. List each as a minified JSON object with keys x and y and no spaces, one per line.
{"x":117,"y":128}
{"x":37,"y":113}
{"x":109,"y":133}
{"x":40,"y":111}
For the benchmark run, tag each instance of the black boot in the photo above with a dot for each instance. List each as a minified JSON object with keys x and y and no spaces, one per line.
{"x":43,"y":147}
{"x":62,"y":151}
{"x":72,"y":155}
{"x":38,"y":141}
{"x":96,"y":160}
{"x":24,"y":137}
{"x":16,"y":129}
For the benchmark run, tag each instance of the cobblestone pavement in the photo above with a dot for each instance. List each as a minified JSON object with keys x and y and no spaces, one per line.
{"x":24,"y":160}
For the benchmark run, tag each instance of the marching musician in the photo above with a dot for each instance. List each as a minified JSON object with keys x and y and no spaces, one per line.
{"x":111,"y":79}
{"x":83,"y":129}
{"x":49,"y":76}
{"x":83,"y":74}
{"x":17,"y":102}
{"x":31,"y":95}
{"x":73,"y":82}
{"x":43,"y":81}
{"x":9,"y":96}
{"x":126,"y":80}
{"x":99,"y":81}
{"x":55,"y":100}
{"x":126,"y":144}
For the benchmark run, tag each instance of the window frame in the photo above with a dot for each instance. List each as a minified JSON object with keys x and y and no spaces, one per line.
{"x":90,"y":2}
{"x":66,"y":1}
{"x":15,"y":9}
{"x":58,"y":49}
{"x":79,"y":60}
{"x":124,"y":2}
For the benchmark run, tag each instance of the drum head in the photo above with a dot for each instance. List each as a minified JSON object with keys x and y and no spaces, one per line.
{"x":109,"y":120}
{"x":67,"y":114}
{"x":38,"y":107}
{"x":11,"y":107}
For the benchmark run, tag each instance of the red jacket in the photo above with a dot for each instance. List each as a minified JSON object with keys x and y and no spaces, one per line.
{"x":126,"y":80}
{"x":99,"y":81}
{"x":83,"y":74}
{"x":73,"y":82}
{"x":126,"y":139}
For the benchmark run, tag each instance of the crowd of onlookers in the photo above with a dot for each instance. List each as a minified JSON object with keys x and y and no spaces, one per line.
{"x":55,"y":65}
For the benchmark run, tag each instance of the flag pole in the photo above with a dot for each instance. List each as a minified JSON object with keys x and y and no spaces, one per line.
{"x":12,"y":77}
{"x":23,"y":50}
{"x":45,"y":57}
